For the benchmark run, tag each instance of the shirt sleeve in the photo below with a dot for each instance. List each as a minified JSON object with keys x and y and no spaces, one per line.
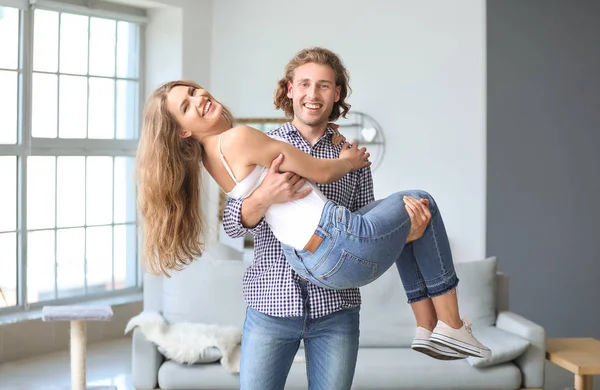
{"x":364,"y":191}
{"x":232,"y":220}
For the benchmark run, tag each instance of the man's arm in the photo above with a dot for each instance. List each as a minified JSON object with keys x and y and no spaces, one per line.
{"x":253,"y":211}
{"x":364,"y":192}
{"x":232,"y":220}
{"x":246,"y":215}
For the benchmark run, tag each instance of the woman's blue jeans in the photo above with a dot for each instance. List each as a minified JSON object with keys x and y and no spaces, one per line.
{"x":358,"y":247}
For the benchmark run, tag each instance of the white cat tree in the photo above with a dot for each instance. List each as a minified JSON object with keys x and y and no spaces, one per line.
{"x":78,"y":316}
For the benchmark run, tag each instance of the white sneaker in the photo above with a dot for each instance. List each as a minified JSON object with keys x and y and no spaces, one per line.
{"x":422,"y":344}
{"x":460,"y":340}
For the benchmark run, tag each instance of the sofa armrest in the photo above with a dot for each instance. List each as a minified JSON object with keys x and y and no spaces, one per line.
{"x":145,"y":361}
{"x":531,"y":363}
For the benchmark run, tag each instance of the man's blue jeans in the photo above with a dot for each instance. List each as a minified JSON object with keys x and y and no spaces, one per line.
{"x":358,"y":247}
{"x":269,"y":345}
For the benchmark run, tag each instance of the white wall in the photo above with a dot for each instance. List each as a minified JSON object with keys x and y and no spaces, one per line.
{"x":163,"y":47}
{"x":417,"y":67}
{"x":178,"y":42}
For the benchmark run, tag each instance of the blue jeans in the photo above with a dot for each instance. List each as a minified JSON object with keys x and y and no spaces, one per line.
{"x":358,"y":247}
{"x":269,"y":345}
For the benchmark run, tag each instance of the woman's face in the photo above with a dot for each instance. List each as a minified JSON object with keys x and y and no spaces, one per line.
{"x":197,"y":112}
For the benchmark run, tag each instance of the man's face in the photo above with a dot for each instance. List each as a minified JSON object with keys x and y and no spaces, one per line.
{"x":313,"y":92}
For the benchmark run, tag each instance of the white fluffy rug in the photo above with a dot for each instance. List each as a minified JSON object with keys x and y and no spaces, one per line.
{"x":187,"y":342}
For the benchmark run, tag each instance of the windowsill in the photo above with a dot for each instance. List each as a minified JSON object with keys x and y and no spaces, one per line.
{"x":37,"y":313}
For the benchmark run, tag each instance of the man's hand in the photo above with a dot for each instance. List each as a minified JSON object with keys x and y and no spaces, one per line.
{"x":278,"y":187}
{"x":419,"y":213}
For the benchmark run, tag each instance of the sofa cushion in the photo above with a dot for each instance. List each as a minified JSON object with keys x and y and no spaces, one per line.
{"x":477,"y":291}
{"x":376,"y":368}
{"x":208,"y":291}
{"x":220,"y":251}
{"x":403,"y":368}
{"x":211,"y":376}
{"x":210,"y":355}
{"x":505,"y":346}
{"x":387,"y":320}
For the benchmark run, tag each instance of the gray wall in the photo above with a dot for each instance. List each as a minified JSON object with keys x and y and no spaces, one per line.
{"x":543,"y":174}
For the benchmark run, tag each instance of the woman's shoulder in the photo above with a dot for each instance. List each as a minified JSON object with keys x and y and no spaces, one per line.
{"x":250,"y":132}
{"x":242,"y":130}
{"x":241,"y":137}
{"x":241,"y":133}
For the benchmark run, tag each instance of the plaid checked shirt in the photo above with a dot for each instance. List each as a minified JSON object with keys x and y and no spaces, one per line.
{"x":270,"y":285}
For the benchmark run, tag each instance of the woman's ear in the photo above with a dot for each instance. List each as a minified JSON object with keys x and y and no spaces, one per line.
{"x":184,"y":133}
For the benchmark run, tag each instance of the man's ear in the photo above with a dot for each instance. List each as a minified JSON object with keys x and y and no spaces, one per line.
{"x":184,"y":133}
{"x":338,"y":89}
{"x":289,"y":89}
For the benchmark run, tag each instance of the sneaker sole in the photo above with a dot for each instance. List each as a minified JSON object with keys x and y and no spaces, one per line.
{"x":432,"y":351}
{"x":460,"y":346}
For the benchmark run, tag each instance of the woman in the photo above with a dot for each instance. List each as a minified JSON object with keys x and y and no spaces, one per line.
{"x":327,"y":244}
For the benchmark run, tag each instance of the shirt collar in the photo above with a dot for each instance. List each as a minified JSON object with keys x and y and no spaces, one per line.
{"x":288,"y":128}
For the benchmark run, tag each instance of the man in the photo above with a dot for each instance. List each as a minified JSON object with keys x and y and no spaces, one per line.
{"x":282,"y":308}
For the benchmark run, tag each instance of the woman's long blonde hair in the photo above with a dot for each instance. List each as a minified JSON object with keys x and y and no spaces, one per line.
{"x":168,"y":170}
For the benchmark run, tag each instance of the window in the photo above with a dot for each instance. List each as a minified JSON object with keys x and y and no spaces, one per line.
{"x":69,"y":119}
{"x":9,"y":97}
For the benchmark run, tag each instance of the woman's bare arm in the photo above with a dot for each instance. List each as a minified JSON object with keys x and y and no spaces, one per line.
{"x":257,"y":148}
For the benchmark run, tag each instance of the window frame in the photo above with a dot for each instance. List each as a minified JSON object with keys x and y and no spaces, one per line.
{"x":27,"y":145}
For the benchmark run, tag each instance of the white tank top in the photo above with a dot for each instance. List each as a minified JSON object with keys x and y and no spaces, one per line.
{"x":293,"y":223}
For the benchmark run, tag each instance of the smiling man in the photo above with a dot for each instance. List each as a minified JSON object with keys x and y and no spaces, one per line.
{"x":283,"y":309}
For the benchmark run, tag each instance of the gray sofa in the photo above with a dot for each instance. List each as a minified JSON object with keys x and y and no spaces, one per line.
{"x":209,"y":291}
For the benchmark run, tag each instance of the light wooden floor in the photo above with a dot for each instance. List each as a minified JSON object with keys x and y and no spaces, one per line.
{"x":109,"y":363}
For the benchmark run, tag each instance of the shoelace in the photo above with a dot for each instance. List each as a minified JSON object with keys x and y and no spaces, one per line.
{"x":468,"y":324}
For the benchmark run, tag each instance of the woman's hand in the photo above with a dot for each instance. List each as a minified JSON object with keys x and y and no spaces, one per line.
{"x":358,"y":158}
{"x":337,"y":138}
